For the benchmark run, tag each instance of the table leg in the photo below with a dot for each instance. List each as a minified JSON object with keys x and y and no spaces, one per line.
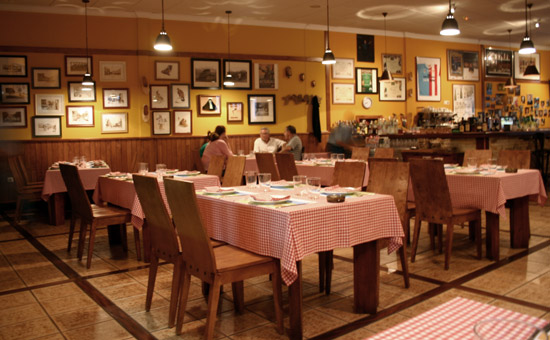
{"x":295,"y":305}
{"x":492,"y":236}
{"x":114,"y":233}
{"x":56,"y":207}
{"x":520,"y":230}
{"x":366,"y":277}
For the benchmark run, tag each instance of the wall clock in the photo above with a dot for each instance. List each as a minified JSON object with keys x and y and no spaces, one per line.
{"x":367,"y":102}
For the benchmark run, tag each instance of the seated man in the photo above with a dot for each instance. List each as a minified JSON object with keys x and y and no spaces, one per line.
{"x":267,"y":144}
{"x":293,"y":144}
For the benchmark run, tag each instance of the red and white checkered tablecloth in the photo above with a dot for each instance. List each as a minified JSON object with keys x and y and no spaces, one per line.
{"x":455,"y":320}
{"x":53,"y":181}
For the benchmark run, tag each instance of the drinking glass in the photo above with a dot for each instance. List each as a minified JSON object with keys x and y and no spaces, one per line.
{"x":240,"y":152}
{"x":341,"y":157}
{"x":300,"y":181}
{"x":251,"y":178}
{"x":75,"y":160}
{"x":265,"y":181}
{"x":305,"y":156}
{"x":471,"y":162}
{"x":83,"y":162}
{"x":314,"y":187}
{"x":160,"y":169}
{"x":143,"y":168}
{"x":333,"y":157}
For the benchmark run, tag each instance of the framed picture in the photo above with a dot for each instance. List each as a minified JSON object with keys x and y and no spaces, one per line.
{"x":81,"y":93}
{"x":462,"y":65}
{"x":343,"y":69}
{"x":393,"y":91}
{"x":116,"y":98}
{"x":159,"y":97}
{"x":180,"y":96}
{"x":13,"y":66}
{"x":241,"y":72}
{"x":343,"y":93}
{"x":183,"y":122}
{"x":46,"y":126}
{"x":266,"y":76}
{"x":521,"y":61}
{"x":161,"y":123}
{"x":365,"y":48}
{"x":366,"y":80}
{"x":392,"y":63}
{"x":49,"y":104}
{"x":205,"y":74}
{"x":112,"y":71}
{"x":209,"y":105}
{"x":78,"y":65}
{"x":46,"y":78}
{"x":498,"y":63}
{"x":234,"y":112}
{"x":13,"y":117}
{"x":464,"y":100}
{"x":428,"y":79}
{"x":80,"y":116}
{"x":15,"y":93}
{"x":261,"y":109}
{"x":114,"y":122}
{"x":167,"y":70}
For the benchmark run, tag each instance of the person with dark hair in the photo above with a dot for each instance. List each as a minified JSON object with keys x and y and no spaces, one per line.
{"x":293,"y":144}
{"x":220,"y":130}
{"x":217,"y":146}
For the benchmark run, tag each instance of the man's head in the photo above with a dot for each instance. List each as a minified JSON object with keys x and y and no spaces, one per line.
{"x":290,"y":131}
{"x":264,"y":134}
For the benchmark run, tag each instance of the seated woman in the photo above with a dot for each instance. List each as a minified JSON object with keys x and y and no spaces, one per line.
{"x":217,"y":146}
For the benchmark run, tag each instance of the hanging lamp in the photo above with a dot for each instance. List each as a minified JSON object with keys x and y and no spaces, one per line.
{"x":328,"y":57}
{"x":531,"y":71}
{"x":228,"y":78}
{"x":450,"y":26}
{"x":386,"y":75}
{"x":87,"y":80}
{"x":510,"y":82}
{"x":527,"y":46}
{"x":163,"y":42}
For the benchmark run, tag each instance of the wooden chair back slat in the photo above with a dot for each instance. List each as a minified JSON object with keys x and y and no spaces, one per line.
{"x":518,"y":159}
{"x":391,"y":178}
{"x":384,"y":153}
{"x":234,"y":171}
{"x":77,"y":194}
{"x":380,"y":159}
{"x":480,"y":156}
{"x":266,"y":164}
{"x":215,"y":167}
{"x":197,"y":162}
{"x":16,"y":173}
{"x":360,"y":153}
{"x":286,"y":165}
{"x":23,"y":170}
{"x":349,"y":174}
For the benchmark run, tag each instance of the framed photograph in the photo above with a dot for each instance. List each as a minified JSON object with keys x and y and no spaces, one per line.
{"x":13,"y":117}
{"x":116,"y":98}
{"x":261,"y":109}
{"x":234,"y":112}
{"x":114,"y":122}
{"x":78,"y":65}
{"x":462,"y":65}
{"x":183,"y":122}
{"x":343,"y":69}
{"x":13,"y":66}
{"x":15,"y":93}
{"x":46,"y":78}
{"x":80,"y":116}
{"x":365,"y":48}
{"x":498,"y":63}
{"x":180,"y":96}
{"x":161,"y":123}
{"x":112,"y":71}
{"x":392,"y":63}
{"x":241,"y":71}
{"x":343,"y":93}
{"x":464,"y":100}
{"x":205,"y":74}
{"x":393,"y":91}
{"x":49,"y":104}
{"x":428,"y":79}
{"x":366,"y":80}
{"x":46,"y":126}
{"x":521,"y":61}
{"x":159,"y":97}
{"x":266,"y":76}
{"x":81,"y":93}
{"x":209,"y":105}
{"x":167,"y":70}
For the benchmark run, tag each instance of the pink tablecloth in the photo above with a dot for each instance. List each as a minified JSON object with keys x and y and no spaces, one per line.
{"x":456,"y":320}
{"x":53,"y":182}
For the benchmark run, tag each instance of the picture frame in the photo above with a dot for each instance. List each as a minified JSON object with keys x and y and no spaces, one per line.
{"x":77,"y":92}
{"x":393,"y":63}
{"x":46,"y":78}
{"x":343,"y":69}
{"x":167,"y":70}
{"x":13,"y":117}
{"x":116,"y":98}
{"x":14,"y":93}
{"x":205,"y":74}
{"x":428,"y":79}
{"x":365,"y":48}
{"x":498,"y":63}
{"x":366,"y":80}
{"x":464,"y":100}
{"x":161,"y":123}
{"x":159,"y":97}
{"x":180,"y":96}
{"x":13,"y":66}
{"x":393,"y":91}
{"x":46,"y":104}
{"x":114,"y":122}
{"x":241,"y":72}
{"x":343,"y":93}
{"x":78,"y":65}
{"x":462,"y":65}
{"x":182,"y":122}
{"x":46,"y":126}
{"x":266,"y":76}
{"x":209,"y":105}
{"x":80,"y":116}
{"x":261,"y":109}
{"x":234,"y":112}
{"x":521,"y":61}
{"x":112,"y":71}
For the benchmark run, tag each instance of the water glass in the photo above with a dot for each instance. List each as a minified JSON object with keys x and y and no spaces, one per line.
{"x":341,"y":157}
{"x":333,"y":157}
{"x":265,"y":181}
{"x":160,"y":169}
{"x":300,"y":181}
{"x":251,"y":178}
{"x":143,"y":168}
{"x":314,"y":187}
{"x":83,"y":162}
{"x":76,"y":160}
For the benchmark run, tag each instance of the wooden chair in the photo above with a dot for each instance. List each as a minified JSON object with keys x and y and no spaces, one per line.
{"x":519,"y":159}
{"x":197,"y":162}
{"x":480,"y":156}
{"x":384,"y":153}
{"x":25,"y":192}
{"x":216,"y":166}
{"x":286,"y":165}
{"x":216,"y":266}
{"x":360,"y":153}
{"x":349,"y":174}
{"x":234,"y":170}
{"x":25,"y":174}
{"x":92,"y":215}
{"x":433,"y":205}
{"x":266,"y":164}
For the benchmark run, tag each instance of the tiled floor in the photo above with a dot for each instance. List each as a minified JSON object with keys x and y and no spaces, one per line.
{"x":46,"y":293}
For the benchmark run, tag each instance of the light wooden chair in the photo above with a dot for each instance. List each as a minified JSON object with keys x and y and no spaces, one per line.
{"x":266,"y":164}
{"x":216,"y":266}
{"x":197,"y":163}
{"x":25,"y":192}
{"x":360,"y":153}
{"x":216,"y":165}
{"x":480,"y":156}
{"x":234,"y":170}
{"x":286,"y":165}
{"x":518,"y":159}
{"x":384,"y":153}
{"x":349,"y":174}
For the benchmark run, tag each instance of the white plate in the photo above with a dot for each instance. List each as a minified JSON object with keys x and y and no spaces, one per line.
{"x":253,"y":201}
{"x":188,"y":174}
{"x":225,"y":192}
{"x":466,"y":172}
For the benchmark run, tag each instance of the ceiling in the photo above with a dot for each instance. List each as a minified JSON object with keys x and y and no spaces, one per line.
{"x":480,"y":21}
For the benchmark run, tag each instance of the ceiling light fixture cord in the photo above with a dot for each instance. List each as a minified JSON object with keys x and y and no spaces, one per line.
{"x":526,"y":30}
{"x":328,"y":28}
{"x":162,"y":5}
{"x":228,"y":35}
{"x":385,"y":34}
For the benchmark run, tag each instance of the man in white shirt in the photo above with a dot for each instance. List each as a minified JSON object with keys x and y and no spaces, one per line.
{"x":267,"y":144}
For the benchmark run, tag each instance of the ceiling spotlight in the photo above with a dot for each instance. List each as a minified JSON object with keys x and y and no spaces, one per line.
{"x":328,"y":57}
{"x":163,"y":42}
{"x":450,"y":26}
{"x":527,"y":46}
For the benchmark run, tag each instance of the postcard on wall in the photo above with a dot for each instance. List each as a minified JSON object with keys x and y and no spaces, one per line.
{"x":392,"y":63}
{"x":343,"y":69}
{"x":114,"y":122}
{"x":49,"y":104}
{"x":266,"y":76}
{"x":13,"y":66}
{"x":462,"y":65}
{"x":183,"y":122}
{"x":343,"y":93}
{"x":13,"y":117}
{"x":464,"y":100}
{"x":46,"y":126}
{"x":112,"y":71}
{"x":80,"y":116}
{"x":46,"y":78}
{"x":428,"y":79}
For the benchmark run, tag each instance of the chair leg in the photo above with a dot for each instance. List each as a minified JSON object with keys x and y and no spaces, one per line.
{"x":404,"y":263}
{"x":137,"y":242}
{"x":18,"y":208}
{"x":432,"y":231}
{"x":174,"y":294}
{"x":449,"y":245}
{"x":476,"y":225}
{"x":151,"y":282}
{"x":321,"y":257}
{"x":213,"y":300}
{"x":408,"y":227}
{"x":123,"y":236}
{"x":278,"y":296}
{"x":186,"y":278}
{"x":90,"y":246}
{"x":71,"y":232}
{"x":238,"y":295}
{"x":416,"y":234}
{"x":440,"y":237}
{"x":82,"y":238}
{"x":329,"y":263}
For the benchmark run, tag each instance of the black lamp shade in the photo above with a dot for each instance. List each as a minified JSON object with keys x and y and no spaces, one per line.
{"x":386,"y":76}
{"x":228,"y":80}
{"x":329,"y":58}
{"x":450,"y":26}
{"x":527,"y":46}
{"x":163,"y":42}
{"x":531,"y":70}
{"x":87,"y":80}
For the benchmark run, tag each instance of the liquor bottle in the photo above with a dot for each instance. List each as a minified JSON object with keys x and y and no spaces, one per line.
{"x":461,"y":125}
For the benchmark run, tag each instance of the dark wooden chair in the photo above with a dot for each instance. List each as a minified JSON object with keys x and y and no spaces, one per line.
{"x":197,"y":162}
{"x":266,"y":164}
{"x":480,"y":156}
{"x":349,"y":174}
{"x":360,"y":153}
{"x":433,"y":205}
{"x":25,"y":192}
{"x":286,"y":165}
{"x":234,"y":170}
{"x":384,"y":153}
{"x":217,"y":163}
{"x":518,"y":159}
{"x":25,"y":174}
{"x":216,"y":266}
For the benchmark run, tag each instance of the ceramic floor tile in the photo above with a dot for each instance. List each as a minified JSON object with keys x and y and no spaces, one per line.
{"x":535,"y":291}
{"x":80,"y":317}
{"x":265,"y":332}
{"x":30,"y":329}
{"x":229,"y":323}
{"x":361,"y":333}
{"x":157,"y":319}
{"x":136,"y":304}
{"x":124,"y":291}
{"x":111,"y":280}
{"x":191,"y":331}
{"x":386,"y":323}
{"x":104,"y":330}
{"x":19,"y":314}
{"x":67,"y":304}
{"x":316,"y":322}
{"x":16,"y":299}
{"x":437,"y":300}
{"x":57,"y":291}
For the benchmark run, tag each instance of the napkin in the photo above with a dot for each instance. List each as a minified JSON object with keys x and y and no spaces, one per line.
{"x":189,"y":172}
{"x":218,"y":189}
{"x":337,"y":188}
{"x":282,"y":183}
{"x":116,"y":173}
{"x":269,"y":198}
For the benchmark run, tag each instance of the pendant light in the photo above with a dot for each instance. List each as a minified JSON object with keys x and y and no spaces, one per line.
{"x":228,"y":79}
{"x":510,"y":82}
{"x":531,"y":71}
{"x":386,"y":75}
{"x":328,"y":58}
{"x":163,"y":42}
{"x":527,"y":46}
{"x":87,"y":81}
{"x":450,"y":26}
